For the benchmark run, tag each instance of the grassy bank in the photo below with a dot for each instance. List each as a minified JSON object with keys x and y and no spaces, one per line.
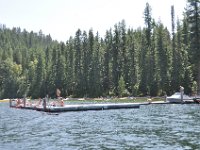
{"x":114,"y":100}
{"x":101,"y":100}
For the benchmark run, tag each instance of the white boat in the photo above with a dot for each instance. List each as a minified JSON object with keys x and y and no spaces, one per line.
{"x":176,"y":98}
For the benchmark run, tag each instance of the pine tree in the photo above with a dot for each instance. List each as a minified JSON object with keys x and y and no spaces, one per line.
{"x":123,"y":52}
{"x":193,"y":18}
{"x":146,"y":55}
{"x":148,"y":23}
{"x":143,"y":85}
{"x":185,"y":72}
{"x":60,"y":70}
{"x":175,"y":56}
{"x":132,"y":63}
{"x":97,"y":66}
{"x":106,"y":62}
{"x":163,"y":50}
{"x":38,"y":85}
{"x":115,"y":60}
{"x":86,"y":63}
{"x":70,"y":77}
{"x":78,"y":65}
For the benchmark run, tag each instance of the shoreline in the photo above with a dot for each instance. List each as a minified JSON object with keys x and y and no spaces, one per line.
{"x":4,"y":100}
{"x":100,"y":100}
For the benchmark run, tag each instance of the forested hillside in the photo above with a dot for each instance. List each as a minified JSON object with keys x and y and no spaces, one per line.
{"x":126,"y":62}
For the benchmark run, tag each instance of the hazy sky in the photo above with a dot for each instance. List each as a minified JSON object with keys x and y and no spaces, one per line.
{"x":62,"y":18}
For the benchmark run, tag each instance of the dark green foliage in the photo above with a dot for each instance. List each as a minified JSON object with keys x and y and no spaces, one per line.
{"x":39,"y":80}
{"x":115,"y":60}
{"x":107,"y":46}
{"x":145,"y":61}
{"x":193,"y":20}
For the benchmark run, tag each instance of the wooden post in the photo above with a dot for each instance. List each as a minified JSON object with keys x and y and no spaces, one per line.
{"x":44,"y":104}
{"x":10,"y":102}
{"x":24,"y":100}
{"x":182,"y":92}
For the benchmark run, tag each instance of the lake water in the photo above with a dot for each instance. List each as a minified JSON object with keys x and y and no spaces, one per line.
{"x":150,"y":127}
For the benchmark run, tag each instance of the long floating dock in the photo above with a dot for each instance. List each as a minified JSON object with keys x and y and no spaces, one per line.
{"x":83,"y":107}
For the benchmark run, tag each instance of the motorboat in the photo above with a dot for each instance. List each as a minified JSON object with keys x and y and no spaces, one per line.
{"x":176,"y":98}
{"x":197,"y":100}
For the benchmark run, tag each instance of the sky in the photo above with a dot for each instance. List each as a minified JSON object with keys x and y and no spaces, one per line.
{"x":62,"y":18}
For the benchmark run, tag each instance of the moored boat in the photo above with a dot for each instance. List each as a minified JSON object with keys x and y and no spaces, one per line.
{"x":176,"y":98}
{"x":196,"y":100}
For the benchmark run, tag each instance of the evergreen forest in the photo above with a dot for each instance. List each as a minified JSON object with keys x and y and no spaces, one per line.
{"x":147,"y":61}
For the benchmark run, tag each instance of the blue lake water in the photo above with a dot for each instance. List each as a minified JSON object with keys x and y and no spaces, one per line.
{"x":153,"y":127}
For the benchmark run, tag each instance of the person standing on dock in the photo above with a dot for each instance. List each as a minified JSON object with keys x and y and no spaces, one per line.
{"x":182,"y":92}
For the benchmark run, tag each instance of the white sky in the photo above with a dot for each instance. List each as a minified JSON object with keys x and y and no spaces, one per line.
{"x":62,"y":18}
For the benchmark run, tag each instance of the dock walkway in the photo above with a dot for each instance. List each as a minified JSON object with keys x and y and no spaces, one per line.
{"x":83,"y":107}
{"x":86,"y":107}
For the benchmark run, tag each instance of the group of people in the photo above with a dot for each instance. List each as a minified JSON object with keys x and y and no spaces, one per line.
{"x":54,"y":103}
{"x":22,"y":102}
{"x":59,"y":102}
{"x":19,"y":103}
{"x":38,"y":103}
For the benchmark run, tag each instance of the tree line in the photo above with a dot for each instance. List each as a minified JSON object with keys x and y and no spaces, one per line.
{"x":126,"y":62}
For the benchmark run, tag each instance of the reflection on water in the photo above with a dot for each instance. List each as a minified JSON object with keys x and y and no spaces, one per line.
{"x":150,"y":127}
